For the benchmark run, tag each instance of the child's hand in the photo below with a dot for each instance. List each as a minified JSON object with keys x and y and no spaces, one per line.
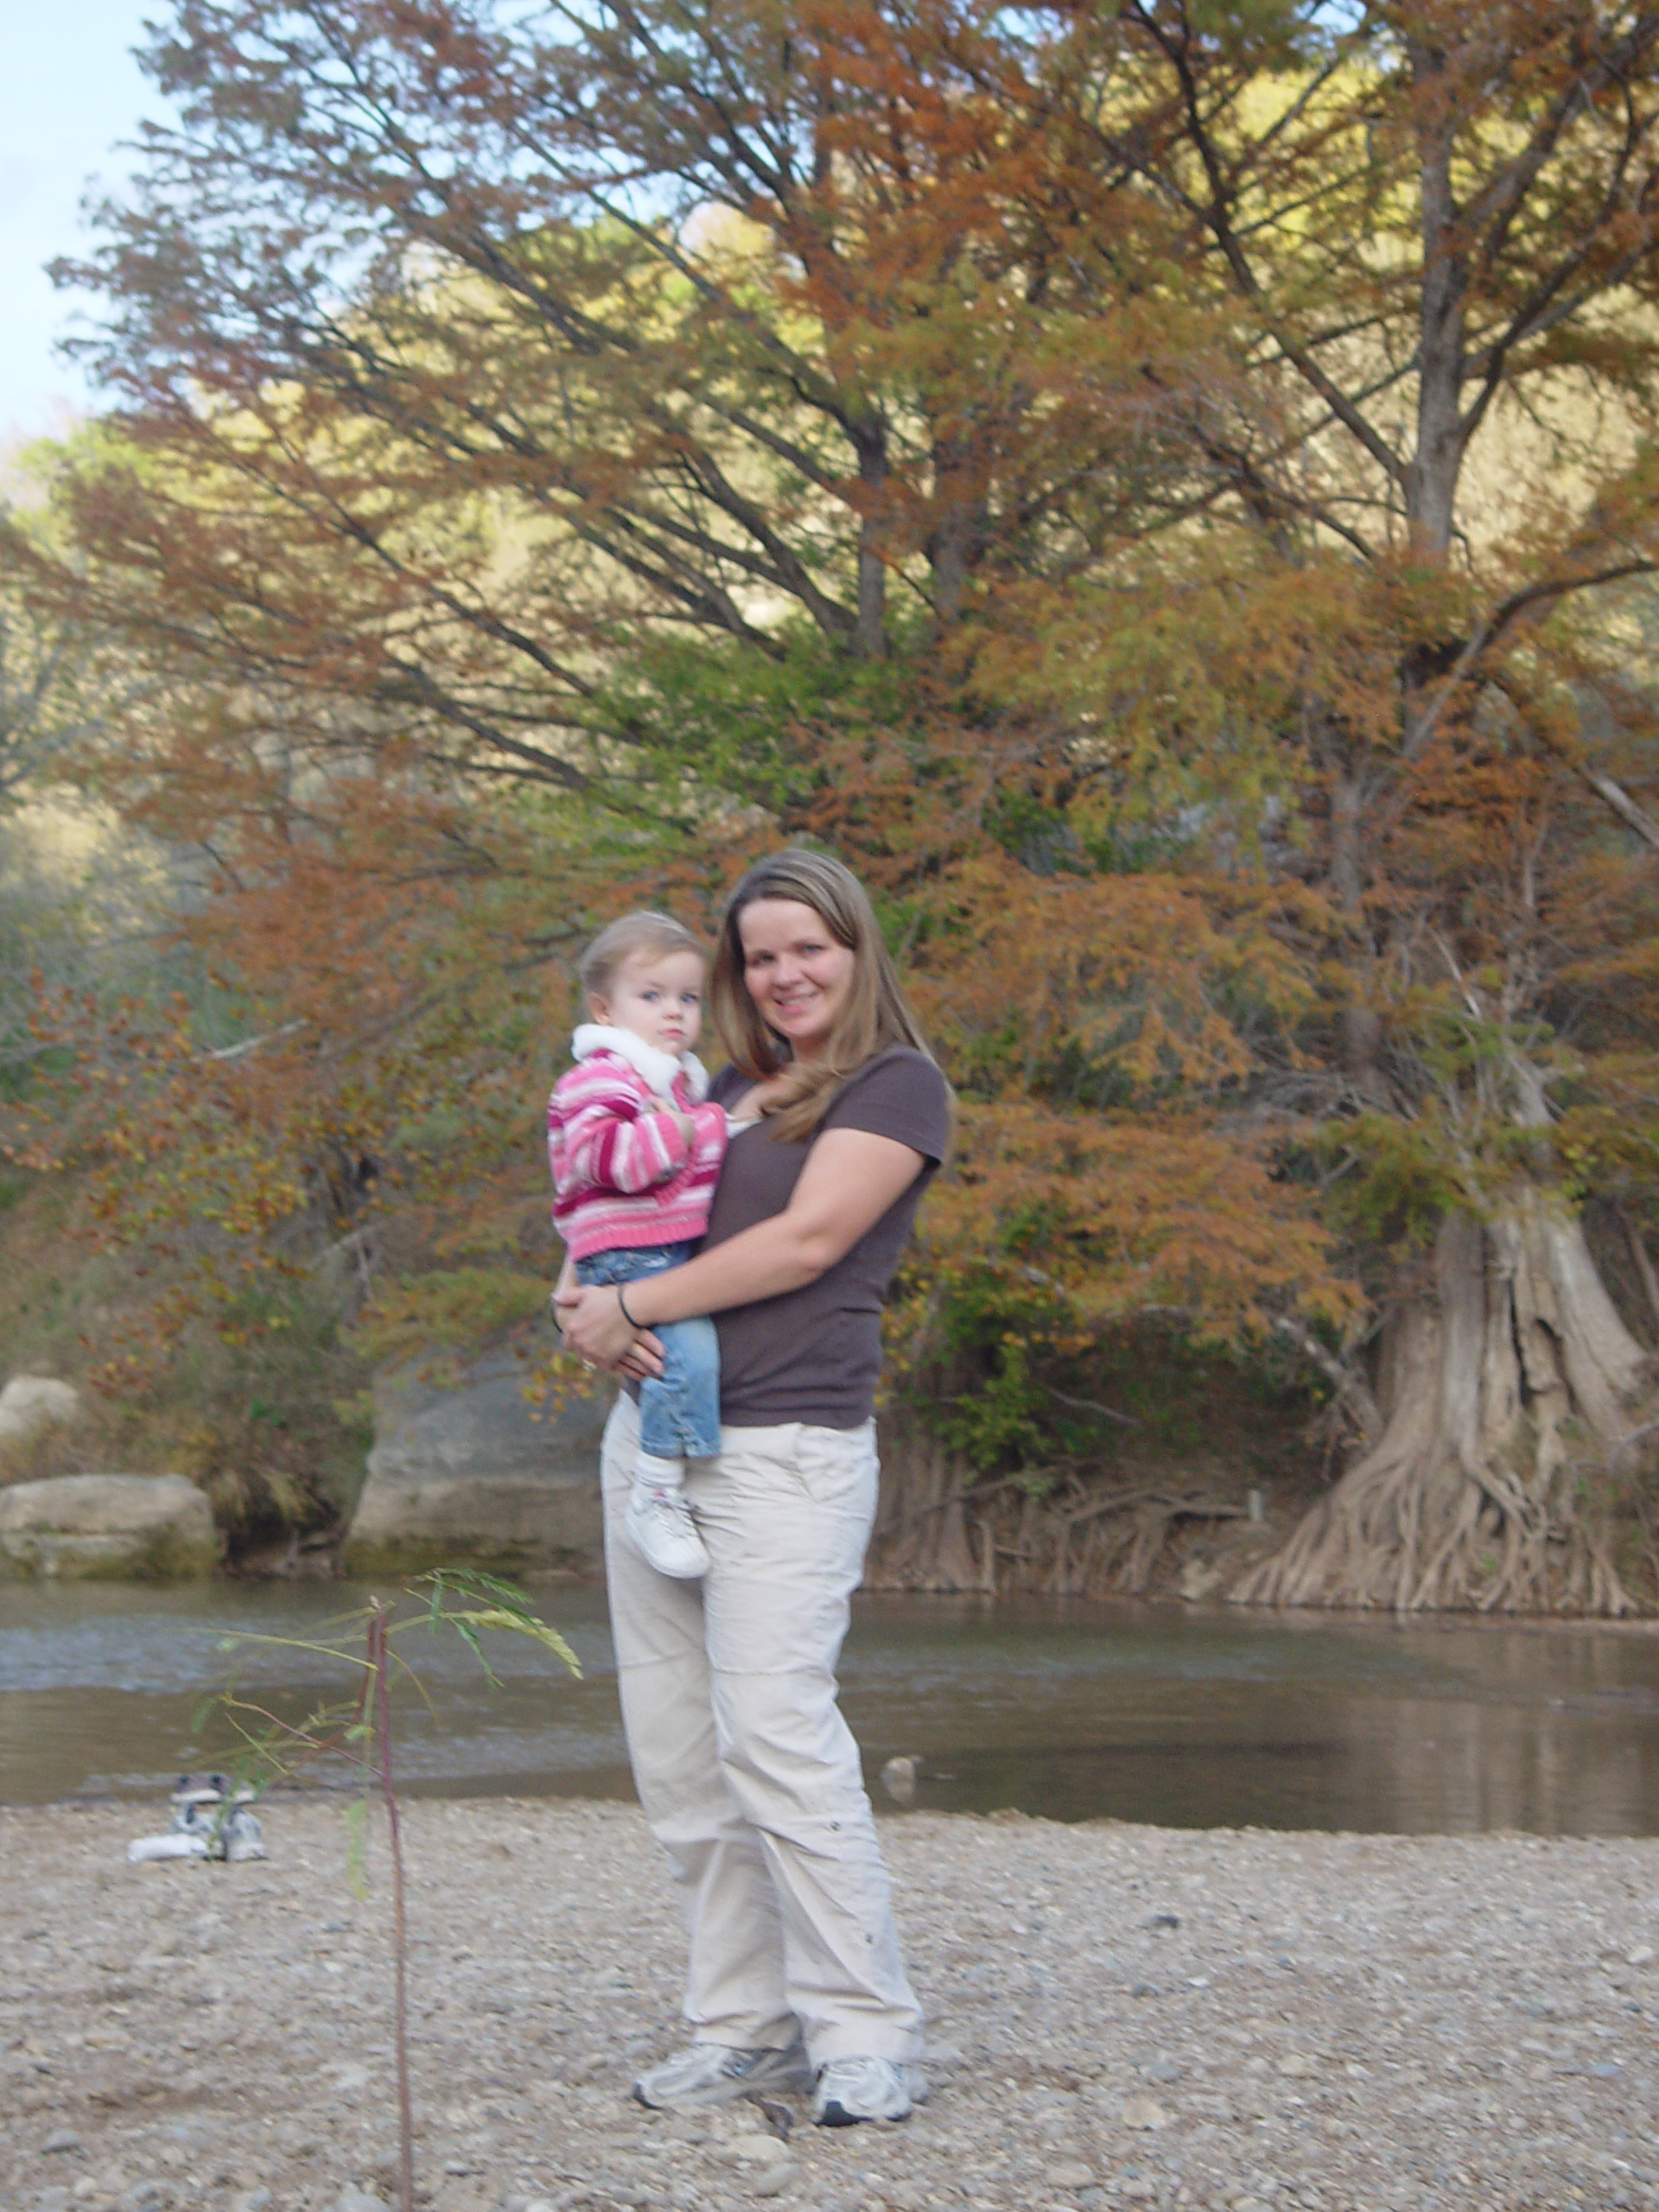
{"x":683,"y":1123}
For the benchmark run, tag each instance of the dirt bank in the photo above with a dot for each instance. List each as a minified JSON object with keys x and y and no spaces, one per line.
{"x":1123,"y":2015}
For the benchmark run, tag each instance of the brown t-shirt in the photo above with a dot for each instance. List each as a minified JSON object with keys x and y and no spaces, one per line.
{"x":814,"y":1354}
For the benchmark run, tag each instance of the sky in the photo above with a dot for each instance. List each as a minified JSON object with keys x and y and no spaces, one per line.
{"x":69,"y":90}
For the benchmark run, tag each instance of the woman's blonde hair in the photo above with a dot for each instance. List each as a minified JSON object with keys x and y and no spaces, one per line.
{"x":875,"y":1017}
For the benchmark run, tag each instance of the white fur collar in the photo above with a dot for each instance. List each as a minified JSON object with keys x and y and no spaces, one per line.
{"x":659,"y":1069}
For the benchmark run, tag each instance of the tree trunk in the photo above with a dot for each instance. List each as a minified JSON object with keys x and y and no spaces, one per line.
{"x":871,"y":442}
{"x":1504,"y":1390}
{"x":957,"y":538}
{"x":1432,"y":474}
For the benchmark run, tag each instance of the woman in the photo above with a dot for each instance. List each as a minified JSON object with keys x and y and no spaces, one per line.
{"x":747,"y":1770}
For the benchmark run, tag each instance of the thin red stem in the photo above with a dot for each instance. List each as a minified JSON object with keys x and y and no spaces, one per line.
{"x":377,"y":1658}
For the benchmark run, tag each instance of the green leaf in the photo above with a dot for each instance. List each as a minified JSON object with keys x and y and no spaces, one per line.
{"x":469,"y":1635}
{"x":518,"y":1624}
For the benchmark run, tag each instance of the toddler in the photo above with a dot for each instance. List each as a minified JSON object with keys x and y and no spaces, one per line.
{"x":636,"y":1153}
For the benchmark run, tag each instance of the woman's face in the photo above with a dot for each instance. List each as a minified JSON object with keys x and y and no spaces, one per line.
{"x":798,"y":973}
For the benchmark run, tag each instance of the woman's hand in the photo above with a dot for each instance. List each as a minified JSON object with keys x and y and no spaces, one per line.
{"x":598,"y":1330}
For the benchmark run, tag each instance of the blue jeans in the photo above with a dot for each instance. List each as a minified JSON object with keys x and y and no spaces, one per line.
{"x":679,"y":1410}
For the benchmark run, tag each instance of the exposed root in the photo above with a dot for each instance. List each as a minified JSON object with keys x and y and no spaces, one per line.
{"x":1509,"y":1395}
{"x":1511,"y":1400}
{"x":939,"y":1530}
{"x":921,"y":1536}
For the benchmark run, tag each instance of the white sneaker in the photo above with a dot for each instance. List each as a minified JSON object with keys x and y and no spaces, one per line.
{"x":851,"y":2089}
{"x":660,"y":1523}
{"x":718,"y":2074}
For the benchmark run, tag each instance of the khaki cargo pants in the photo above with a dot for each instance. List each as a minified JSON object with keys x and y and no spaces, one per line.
{"x":749,"y":1775}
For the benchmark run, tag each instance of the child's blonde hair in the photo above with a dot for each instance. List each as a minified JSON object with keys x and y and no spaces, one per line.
{"x":617,"y":942}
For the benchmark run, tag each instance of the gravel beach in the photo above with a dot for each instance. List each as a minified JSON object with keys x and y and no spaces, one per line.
{"x":1120,"y":2015}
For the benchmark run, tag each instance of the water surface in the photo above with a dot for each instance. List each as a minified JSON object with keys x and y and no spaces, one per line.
{"x":1188,"y":1718}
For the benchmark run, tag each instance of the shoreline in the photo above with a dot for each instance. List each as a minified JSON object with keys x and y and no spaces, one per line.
{"x":1073,"y":1709}
{"x":1225,"y":2019}
{"x":146,"y":1810}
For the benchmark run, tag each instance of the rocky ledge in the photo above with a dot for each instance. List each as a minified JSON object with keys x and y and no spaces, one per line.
{"x":464,"y":1467}
{"x":87,"y":1527}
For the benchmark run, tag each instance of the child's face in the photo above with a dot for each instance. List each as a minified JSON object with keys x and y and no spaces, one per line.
{"x":658,"y":997}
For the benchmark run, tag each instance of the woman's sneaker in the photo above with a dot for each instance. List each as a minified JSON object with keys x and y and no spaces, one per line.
{"x":851,"y":2089}
{"x":718,"y":2074}
{"x":660,"y":1523}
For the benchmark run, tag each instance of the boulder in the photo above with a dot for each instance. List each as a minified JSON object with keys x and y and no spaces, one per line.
{"x":31,"y":1403}
{"x":467,"y":1471}
{"x":85,"y":1528}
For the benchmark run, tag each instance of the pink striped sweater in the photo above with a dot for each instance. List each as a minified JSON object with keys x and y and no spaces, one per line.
{"x":623,"y":1174}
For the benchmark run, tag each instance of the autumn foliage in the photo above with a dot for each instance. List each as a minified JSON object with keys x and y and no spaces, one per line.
{"x":1167,"y":494}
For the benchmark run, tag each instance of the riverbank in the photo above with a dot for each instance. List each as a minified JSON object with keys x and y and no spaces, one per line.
{"x":1121,"y":2014}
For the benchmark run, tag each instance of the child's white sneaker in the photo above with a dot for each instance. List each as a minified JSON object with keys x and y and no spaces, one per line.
{"x":660,"y":1523}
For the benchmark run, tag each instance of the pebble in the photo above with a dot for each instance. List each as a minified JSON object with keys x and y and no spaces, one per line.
{"x":898,"y":1779}
{"x":776,"y":2179}
{"x":1298,"y":2066}
{"x":746,"y":2149}
{"x":252,"y":2199}
{"x":1069,"y":2173}
{"x":352,"y":2200}
{"x":62,"y":2138}
{"x":1144,"y":2113}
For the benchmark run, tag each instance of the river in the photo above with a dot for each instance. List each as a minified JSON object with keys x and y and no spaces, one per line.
{"x":1189,"y":1718}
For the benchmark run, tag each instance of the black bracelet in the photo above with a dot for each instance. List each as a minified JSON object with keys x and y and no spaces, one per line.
{"x":623,"y":1303}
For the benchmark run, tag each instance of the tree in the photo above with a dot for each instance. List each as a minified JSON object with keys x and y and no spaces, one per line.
{"x":1166,"y":493}
{"x":1441,"y":233}
{"x":569,"y":359}
{"x":473,"y":351}
{"x":67,"y":898}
